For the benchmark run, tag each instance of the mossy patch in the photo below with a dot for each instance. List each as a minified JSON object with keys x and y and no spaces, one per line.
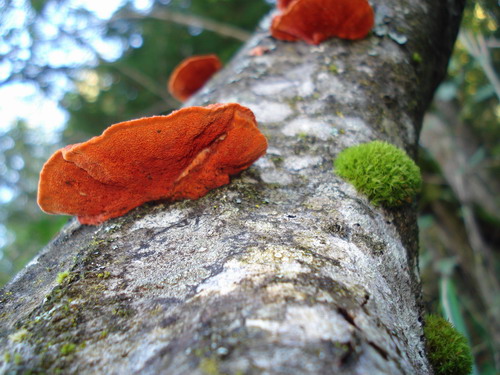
{"x":104,"y":275}
{"x":333,"y":69}
{"x":61,"y":276}
{"x":381,"y":171}
{"x":416,"y":57}
{"x":210,"y":366}
{"x":19,"y":336}
{"x":58,"y":328}
{"x":18,"y":359}
{"x":67,"y":349}
{"x":447,"y":349}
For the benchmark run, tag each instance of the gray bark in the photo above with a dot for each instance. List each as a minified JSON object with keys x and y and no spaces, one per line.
{"x":287,"y":270}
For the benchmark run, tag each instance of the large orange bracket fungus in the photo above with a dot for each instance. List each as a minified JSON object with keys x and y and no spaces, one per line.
{"x":191,"y":74}
{"x":316,"y":20}
{"x":182,"y":155}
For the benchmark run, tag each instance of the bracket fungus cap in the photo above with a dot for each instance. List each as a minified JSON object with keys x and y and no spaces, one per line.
{"x":183,"y":155}
{"x":191,"y":74}
{"x":316,"y":20}
{"x":282,"y":4}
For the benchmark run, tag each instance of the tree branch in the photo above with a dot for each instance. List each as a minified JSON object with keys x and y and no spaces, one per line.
{"x":144,"y":81}
{"x":286,"y":270}
{"x":477,"y":47}
{"x":191,"y":20}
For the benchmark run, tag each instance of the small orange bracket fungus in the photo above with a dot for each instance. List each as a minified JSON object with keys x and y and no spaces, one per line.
{"x":316,"y":20}
{"x":258,"y":51}
{"x":183,"y":155}
{"x":191,"y":74}
{"x":282,"y":4}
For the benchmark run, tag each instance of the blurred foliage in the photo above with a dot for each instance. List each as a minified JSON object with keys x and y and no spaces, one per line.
{"x":468,"y":84}
{"x":458,"y":264}
{"x":25,"y":229}
{"x":135,"y":85}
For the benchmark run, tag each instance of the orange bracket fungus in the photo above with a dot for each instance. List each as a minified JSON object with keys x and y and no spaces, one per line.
{"x":316,"y":20}
{"x":282,"y":4}
{"x":191,"y":74}
{"x":180,"y":156}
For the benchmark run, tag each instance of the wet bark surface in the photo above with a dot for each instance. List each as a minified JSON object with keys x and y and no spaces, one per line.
{"x":286,"y":270}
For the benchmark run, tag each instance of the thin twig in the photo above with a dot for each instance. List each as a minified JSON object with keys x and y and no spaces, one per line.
{"x":191,"y":20}
{"x":143,"y":80}
{"x":477,"y":47}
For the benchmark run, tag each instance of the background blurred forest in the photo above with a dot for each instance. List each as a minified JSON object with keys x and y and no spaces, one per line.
{"x":101,"y":66}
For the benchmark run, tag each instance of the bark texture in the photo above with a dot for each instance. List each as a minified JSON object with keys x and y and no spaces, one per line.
{"x":287,"y":270}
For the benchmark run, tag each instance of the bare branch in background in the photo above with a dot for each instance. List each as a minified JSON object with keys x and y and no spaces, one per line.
{"x":477,"y":47}
{"x":191,"y":20}
{"x":144,"y":81}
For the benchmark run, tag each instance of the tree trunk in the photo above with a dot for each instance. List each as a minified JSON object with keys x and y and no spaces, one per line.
{"x":287,"y":270}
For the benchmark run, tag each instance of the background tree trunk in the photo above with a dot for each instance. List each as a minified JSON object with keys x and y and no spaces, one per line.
{"x":285,"y":270}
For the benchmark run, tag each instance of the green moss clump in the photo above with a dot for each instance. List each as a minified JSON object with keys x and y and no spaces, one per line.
{"x":18,"y":359}
{"x":416,"y":57}
{"x":447,"y":349}
{"x":333,"y":68}
{"x":104,"y":275}
{"x":380,"y":170}
{"x":19,"y":336}
{"x":68,"y":348}
{"x":61,"y":276}
{"x":103,"y":334}
{"x":210,"y":366}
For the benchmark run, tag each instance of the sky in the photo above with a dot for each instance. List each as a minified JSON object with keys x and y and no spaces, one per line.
{"x":26,"y":101}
